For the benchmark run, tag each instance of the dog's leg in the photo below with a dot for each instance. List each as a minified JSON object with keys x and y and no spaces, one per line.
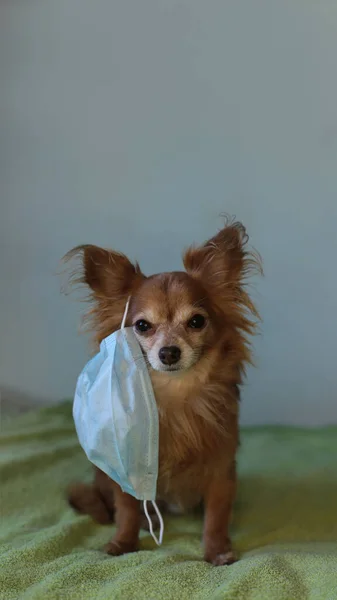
{"x":97,"y":500}
{"x":219,"y":499}
{"x":94,"y":499}
{"x":86,"y":500}
{"x":127,"y":517}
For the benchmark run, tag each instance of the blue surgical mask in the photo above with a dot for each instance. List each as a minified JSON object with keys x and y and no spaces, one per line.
{"x":116,"y":417}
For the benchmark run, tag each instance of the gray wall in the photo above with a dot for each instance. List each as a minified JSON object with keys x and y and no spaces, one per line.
{"x":134,"y":124}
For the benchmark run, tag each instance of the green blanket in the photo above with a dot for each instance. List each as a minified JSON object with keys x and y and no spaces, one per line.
{"x":284,"y":527}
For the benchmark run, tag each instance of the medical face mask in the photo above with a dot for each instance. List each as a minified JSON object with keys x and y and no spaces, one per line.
{"x":116,"y":417}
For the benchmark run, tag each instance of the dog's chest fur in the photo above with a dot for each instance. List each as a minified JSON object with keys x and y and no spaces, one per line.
{"x":198,"y":432}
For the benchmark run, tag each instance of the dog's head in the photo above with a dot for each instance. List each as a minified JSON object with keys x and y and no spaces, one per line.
{"x":172,"y":319}
{"x":176,"y":316}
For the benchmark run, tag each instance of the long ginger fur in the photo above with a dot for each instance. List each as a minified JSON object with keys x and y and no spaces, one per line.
{"x":197,"y":405}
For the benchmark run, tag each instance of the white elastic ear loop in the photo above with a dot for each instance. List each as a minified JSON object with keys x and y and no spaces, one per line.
{"x":125,"y":312}
{"x":161,"y":523}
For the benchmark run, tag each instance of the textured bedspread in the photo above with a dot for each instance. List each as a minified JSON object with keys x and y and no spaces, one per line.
{"x":285,"y":523}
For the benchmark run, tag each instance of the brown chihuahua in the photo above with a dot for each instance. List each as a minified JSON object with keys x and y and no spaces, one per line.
{"x":192,"y":327}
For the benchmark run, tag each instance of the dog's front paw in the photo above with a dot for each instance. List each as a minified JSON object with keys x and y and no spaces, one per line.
{"x":115,"y":548}
{"x":219,"y":559}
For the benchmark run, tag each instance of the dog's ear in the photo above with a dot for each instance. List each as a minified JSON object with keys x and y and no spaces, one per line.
{"x":109,"y":274}
{"x":112,"y":278}
{"x":223,"y":264}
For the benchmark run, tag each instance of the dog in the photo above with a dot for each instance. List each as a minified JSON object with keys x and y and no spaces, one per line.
{"x":194,"y":329}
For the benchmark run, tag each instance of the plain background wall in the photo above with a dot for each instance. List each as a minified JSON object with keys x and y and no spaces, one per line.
{"x":134,"y":124}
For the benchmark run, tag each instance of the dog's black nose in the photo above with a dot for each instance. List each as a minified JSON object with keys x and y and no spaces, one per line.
{"x":169,"y":355}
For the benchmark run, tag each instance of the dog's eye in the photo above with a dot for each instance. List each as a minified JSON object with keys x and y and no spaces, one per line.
{"x":143,"y":326}
{"x":197,"y":322}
